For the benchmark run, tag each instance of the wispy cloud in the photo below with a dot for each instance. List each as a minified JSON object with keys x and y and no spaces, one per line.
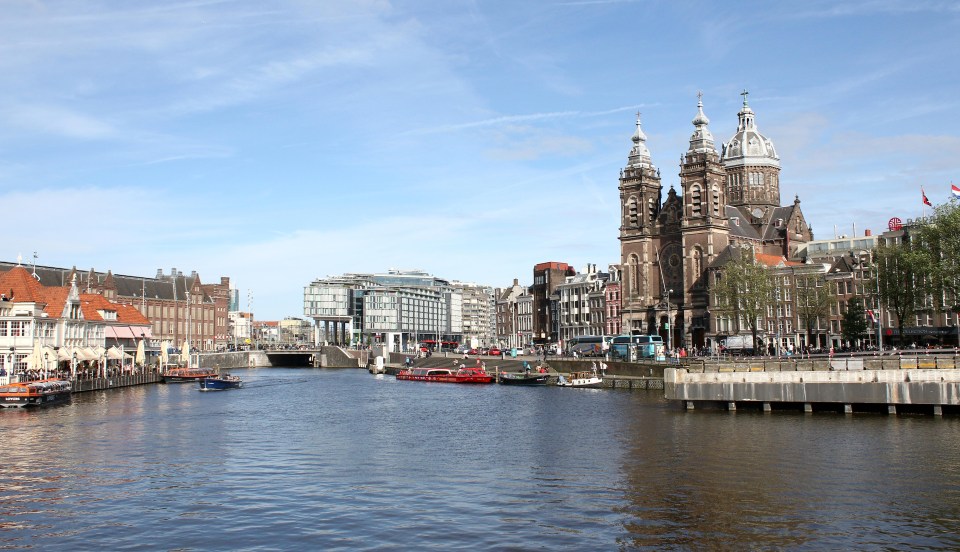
{"x":57,"y":120}
{"x":506,"y":120}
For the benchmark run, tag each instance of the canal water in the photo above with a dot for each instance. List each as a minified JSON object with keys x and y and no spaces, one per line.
{"x":305,"y":459}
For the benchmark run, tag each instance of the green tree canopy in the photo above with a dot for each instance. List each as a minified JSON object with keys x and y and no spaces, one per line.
{"x":813,"y":299}
{"x":744,"y":288}
{"x":941,"y":248}
{"x":902,"y":270}
{"x":854,"y":322}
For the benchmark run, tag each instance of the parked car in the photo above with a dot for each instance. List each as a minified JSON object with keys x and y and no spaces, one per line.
{"x":472,"y":352}
{"x":493,"y":351}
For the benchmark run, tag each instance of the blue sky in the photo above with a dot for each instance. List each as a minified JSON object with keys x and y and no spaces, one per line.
{"x":280,"y":141}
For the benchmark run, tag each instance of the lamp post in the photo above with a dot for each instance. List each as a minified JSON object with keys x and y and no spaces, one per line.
{"x":56,"y":354}
{"x":669,"y":328}
{"x":73,"y":366}
{"x":46,"y":362}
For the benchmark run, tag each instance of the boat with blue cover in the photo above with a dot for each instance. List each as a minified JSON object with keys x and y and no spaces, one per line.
{"x":219,"y":383}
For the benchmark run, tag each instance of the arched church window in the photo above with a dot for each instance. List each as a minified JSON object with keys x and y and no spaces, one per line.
{"x":634,"y":274}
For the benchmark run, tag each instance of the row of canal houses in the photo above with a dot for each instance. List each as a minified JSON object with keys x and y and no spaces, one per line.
{"x":54,"y":319}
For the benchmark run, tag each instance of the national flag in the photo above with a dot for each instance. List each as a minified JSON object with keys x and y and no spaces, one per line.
{"x":955,"y":190}
{"x":925,"y":200}
{"x":870,"y":314}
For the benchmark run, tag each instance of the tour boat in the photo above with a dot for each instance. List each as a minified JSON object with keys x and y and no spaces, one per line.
{"x":181,"y":375}
{"x":35,"y":393}
{"x":523,"y":378}
{"x":218,"y":383}
{"x":446,"y":375}
{"x":580,"y":379}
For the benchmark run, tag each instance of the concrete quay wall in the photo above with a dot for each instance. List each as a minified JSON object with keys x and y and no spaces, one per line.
{"x":932,"y":387}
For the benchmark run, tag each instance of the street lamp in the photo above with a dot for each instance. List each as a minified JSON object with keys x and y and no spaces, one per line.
{"x":73,"y":366}
{"x":46,"y":362}
{"x":669,"y":328}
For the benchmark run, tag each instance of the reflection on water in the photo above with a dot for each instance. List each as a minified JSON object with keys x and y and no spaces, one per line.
{"x":345,"y":460}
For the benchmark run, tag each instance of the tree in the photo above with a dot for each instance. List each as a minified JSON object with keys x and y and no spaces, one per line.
{"x":854,"y":322}
{"x":941,"y":250}
{"x":744,"y":288}
{"x":813,"y":299}
{"x":903,"y":287}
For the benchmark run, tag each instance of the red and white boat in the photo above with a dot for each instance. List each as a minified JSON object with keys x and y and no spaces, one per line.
{"x":446,"y":375}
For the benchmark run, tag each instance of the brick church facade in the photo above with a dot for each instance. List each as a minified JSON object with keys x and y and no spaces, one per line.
{"x":727,"y":199}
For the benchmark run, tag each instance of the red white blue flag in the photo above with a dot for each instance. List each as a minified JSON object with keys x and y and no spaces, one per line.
{"x":955,"y":190}
{"x":924,"y":196}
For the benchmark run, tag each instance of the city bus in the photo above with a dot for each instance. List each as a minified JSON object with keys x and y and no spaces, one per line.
{"x":646,"y":346}
{"x":589,"y":345}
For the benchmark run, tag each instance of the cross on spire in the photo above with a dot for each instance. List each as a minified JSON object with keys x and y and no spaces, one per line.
{"x":744,"y":94}
{"x":699,"y":95}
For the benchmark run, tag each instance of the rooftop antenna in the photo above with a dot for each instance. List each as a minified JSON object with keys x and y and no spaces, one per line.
{"x":35,"y":276}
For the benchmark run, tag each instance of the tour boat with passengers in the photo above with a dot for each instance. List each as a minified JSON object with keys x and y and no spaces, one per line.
{"x":35,"y":393}
{"x":447,"y":375}
{"x":186,"y":375}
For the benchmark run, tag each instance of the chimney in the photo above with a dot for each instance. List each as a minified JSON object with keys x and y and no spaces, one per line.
{"x":867,"y":232}
{"x":516,"y":282}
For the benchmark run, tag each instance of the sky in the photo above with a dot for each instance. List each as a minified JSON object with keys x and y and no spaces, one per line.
{"x":281,"y":141}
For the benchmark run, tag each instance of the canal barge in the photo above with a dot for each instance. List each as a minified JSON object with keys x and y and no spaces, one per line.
{"x":35,"y":393}
{"x":446,"y":375}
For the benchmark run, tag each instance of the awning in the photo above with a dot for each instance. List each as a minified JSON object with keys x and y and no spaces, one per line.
{"x":119,"y":332}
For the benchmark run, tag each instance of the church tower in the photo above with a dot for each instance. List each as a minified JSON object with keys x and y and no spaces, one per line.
{"x":753,"y":169}
{"x":706,"y":230}
{"x":640,"y":200}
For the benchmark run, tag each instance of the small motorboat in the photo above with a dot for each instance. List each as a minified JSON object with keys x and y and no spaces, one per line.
{"x":580,"y":379}
{"x":219,"y":383}
{"x":523,"y":378}
{"x":35,"y":393}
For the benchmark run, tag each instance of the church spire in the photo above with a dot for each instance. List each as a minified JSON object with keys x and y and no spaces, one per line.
{"x":702,"y":139}
{"x":639,"y":154}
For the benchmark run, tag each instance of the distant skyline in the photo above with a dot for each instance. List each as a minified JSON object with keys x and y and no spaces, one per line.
{"x":276,"y":142}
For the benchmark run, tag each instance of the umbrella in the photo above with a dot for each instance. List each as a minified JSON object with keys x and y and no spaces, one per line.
{"x":35,"y":360}
{"x":165,"y":352}
{"x":185,"y":354}
{"x":114,"y":353}
{"x":141,"y":357}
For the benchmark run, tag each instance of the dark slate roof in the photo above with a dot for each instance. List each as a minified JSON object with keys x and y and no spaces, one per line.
{"x":771,"y":232}
{"x":744,"y":229}
{"x":126,"y":286}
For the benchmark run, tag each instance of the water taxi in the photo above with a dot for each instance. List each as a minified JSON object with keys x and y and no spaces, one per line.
{"x":446,"y":375}
{"x":35,"y":393}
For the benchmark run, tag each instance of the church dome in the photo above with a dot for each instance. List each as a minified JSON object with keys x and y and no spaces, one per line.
{"x":748,"y":146}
